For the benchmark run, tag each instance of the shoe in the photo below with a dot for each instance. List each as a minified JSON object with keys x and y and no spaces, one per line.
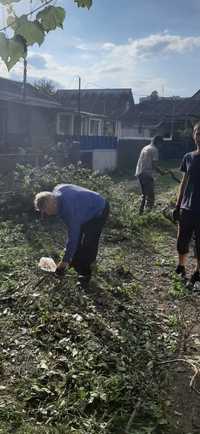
{"x":180,"y":269}
{"x":83,"y":281}
{"x":195,"y":277}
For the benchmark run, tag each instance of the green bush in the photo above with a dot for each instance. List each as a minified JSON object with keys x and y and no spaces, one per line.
{"x":30,"y":180}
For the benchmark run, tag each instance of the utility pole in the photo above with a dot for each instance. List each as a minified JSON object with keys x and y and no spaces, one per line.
{"x":172,"y":118}
{"x":25,"y":73}
{"x":75,"y":148}
{"x":79,"y":107}
{"x":24,"y":78}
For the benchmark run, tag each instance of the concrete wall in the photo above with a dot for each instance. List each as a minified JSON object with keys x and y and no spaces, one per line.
{"x":135,"y":133}
{"x":105,"y":159}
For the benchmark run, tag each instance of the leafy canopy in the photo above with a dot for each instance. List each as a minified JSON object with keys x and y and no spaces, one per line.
{"x":29,"y":28}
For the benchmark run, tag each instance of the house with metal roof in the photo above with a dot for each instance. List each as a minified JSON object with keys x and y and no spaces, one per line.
{"x":40,"y":124}
{"x":111,"y":109}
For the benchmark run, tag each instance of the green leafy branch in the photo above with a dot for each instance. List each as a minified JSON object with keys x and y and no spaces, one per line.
{"x":28,"y":31}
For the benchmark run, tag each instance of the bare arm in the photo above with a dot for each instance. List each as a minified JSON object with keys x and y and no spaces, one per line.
{"x":158,"y":169}
{"x":181,"y":190}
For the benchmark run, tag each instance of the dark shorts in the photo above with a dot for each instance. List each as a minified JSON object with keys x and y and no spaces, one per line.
{"x":189,"y":225}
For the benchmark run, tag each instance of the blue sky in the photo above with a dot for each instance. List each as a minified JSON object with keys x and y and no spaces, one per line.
{"x":142,"y":44}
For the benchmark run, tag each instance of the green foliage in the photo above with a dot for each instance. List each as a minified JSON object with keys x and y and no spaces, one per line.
{"x":28,"y":30}
{"x":29,"y":181}
{"x":84,"y":3}
{"x":78,"y":367}
{"x":51,"y":17}
{"x":11,"y":50}
{"x":75,"y":361}
{"x":178,"y":288}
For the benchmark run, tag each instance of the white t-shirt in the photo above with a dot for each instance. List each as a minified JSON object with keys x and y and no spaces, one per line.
{"x":145,"y":163}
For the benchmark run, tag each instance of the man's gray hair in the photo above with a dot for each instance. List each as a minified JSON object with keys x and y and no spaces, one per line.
{"x":41,"y":200}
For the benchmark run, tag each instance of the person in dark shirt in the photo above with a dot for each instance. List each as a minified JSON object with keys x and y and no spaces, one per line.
{"x":85,"y":213}
{"x":187,"y":211}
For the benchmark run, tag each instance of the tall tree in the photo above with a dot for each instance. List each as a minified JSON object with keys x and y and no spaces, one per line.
{"x":29,"y":28}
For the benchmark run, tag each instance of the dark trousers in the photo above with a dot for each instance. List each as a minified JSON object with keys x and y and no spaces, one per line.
{"x":147,"y":187}
{"x":189,"y":226}
{"x":87,"y":249}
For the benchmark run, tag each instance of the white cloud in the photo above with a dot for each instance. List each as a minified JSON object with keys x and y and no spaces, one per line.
{"x":110,"y":65}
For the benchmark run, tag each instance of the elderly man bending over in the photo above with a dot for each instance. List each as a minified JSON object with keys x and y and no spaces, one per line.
{"x":85,"y":213}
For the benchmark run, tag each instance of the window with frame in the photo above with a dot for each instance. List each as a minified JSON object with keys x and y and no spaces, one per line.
{"x":109,"y":128}
{"x":94,"y":127}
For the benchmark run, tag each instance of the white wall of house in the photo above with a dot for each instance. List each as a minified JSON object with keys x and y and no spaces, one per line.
{"x":135,"y":133}
{"x":104,"y":159}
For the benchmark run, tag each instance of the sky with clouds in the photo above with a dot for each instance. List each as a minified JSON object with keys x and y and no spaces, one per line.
{"x":142,"y":44}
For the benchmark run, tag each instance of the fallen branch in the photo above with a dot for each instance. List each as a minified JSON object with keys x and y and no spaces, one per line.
{"x":191,"y":365}
{"x":133,"y":415}
{"x":50,"y":274}
{"x":170,"y":172}
{"x":40,"y":281}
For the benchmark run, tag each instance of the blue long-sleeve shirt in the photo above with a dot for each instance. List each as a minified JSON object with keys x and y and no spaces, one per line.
{"x":76,"y":206}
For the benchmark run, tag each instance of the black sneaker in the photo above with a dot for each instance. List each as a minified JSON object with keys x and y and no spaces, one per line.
{"x":180,"y":269}
{"x":83,"y":281}
{"x":195,"y":277}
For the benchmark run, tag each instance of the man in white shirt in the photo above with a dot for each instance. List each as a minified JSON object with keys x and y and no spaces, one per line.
{"x":144,"y":171}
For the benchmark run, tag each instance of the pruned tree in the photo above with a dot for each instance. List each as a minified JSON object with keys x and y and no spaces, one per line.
{"x":154,"y":95}
{"x":22,"y":31}
{"x":46,"y":86}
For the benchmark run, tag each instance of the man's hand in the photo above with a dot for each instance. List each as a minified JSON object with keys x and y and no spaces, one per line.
{"x":60,"y":270}
{"x":159,"y":170}
{"x":163,"y":172}
{"x":176,"y":214}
